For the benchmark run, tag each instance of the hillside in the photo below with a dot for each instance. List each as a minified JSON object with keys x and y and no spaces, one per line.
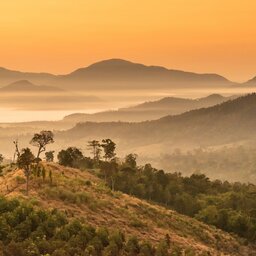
{"x":81,"y":194}
{"x":217,"y":125}
{"x":149,"y":110}
{"x":118,"y":74}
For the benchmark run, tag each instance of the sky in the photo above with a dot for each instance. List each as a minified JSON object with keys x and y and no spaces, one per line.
{"x":59,"y":36}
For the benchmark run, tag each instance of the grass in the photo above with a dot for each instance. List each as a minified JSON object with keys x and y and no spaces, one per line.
{"x":81,"y":194}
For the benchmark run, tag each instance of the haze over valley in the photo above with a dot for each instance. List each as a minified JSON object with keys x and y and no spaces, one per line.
{"x":127,"y":128}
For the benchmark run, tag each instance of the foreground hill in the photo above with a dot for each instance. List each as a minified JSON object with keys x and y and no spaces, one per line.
{"x":150,"y":110}
{"x":118,"y":74}
{"x":82,"y":195}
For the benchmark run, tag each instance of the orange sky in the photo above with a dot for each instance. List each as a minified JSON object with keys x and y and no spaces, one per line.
{"x":59,"y":36}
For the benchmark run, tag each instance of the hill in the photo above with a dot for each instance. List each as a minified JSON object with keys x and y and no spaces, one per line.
{"x":10,"y":76}
{"x":24,"y":86}
{"x":149,"y":110}
{"x":82,"y":195}
{"x":229,"y":122}
{"x":24,"y":95}
{"x":251,"y":82}
{"x":118,"y":74}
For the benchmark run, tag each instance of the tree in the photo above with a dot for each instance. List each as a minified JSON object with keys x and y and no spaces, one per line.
{"x":25,"y":161}
{"x":42,"y":139}
{"x":130,"y":160}
{"x":70,"y":157}
{"x":94,"y":145}
{"x":109,"y":148}
{"x":49,"y":156}
{"x":1,"y":159}
{"x":17,"y":151}
{"x":110,"y":171}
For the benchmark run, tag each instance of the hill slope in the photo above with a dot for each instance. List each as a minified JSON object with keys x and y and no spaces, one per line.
{"x":149,"y":110}
{"x":229,"y":122}
{"x":81,"y":194}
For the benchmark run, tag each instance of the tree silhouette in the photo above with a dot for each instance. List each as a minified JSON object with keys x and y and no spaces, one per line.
{"x":70,"y":157}
{"x":42,"y":139}
{"x":94,"y":146}
{"x":25,"y":161}
{"x":130,"y":160}
{"x":49,"y":156}
{"x":1,"y":158}
{"x":109,"y":148}
{"x":17,"y":151}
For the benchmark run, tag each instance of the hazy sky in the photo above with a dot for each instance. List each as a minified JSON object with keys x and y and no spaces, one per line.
{"x":61,"y":35}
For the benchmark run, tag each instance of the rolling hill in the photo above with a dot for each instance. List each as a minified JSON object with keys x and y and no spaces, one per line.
{"x":149,"y":222}
{"x":149,"y":110}
{"x":229,"y":122}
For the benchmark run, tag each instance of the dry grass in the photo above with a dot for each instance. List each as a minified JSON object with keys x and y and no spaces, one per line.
{"x":83,"y":195}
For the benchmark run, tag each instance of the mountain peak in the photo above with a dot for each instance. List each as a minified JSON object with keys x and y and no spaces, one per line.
{"x":113,"y":62}
{"x":25,"y":85}
{"x":21,"y":83}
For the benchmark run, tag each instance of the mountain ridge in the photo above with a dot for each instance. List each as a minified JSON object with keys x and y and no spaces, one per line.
{"x":119,"y":74}
{"x":151,"y":110}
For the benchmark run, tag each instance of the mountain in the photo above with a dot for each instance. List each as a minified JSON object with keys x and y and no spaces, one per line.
{"x":116,"y":74}
{"x":9,"y":76}
{"x":150,"y":110}
{"x":122,"y":74}
{"x":26,"y":86}
{"x":24,"y":95}
{"x":81,"y":195}
{"x":229,"y":122}
{"x":251,"y":82}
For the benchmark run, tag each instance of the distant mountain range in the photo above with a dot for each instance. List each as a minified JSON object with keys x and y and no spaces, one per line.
{"x":24,"y":95}
{"x":150,"y":110}
{"x":26,"y":86}
{"x":230,"y":122}
{"x":118,"y":74}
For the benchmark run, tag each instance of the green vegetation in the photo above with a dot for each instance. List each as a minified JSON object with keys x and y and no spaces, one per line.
{"x":229,"y":206}
{"x":235,"y":163}
{"x":28,"y":231}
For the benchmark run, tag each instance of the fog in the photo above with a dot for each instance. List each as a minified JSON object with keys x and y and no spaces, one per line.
{"x":21,"y":107}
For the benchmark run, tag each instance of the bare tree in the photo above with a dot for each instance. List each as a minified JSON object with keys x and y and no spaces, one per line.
{"x":17,"y":151}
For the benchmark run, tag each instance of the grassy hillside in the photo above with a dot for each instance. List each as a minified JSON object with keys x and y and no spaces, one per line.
{"x":82,"y":195}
